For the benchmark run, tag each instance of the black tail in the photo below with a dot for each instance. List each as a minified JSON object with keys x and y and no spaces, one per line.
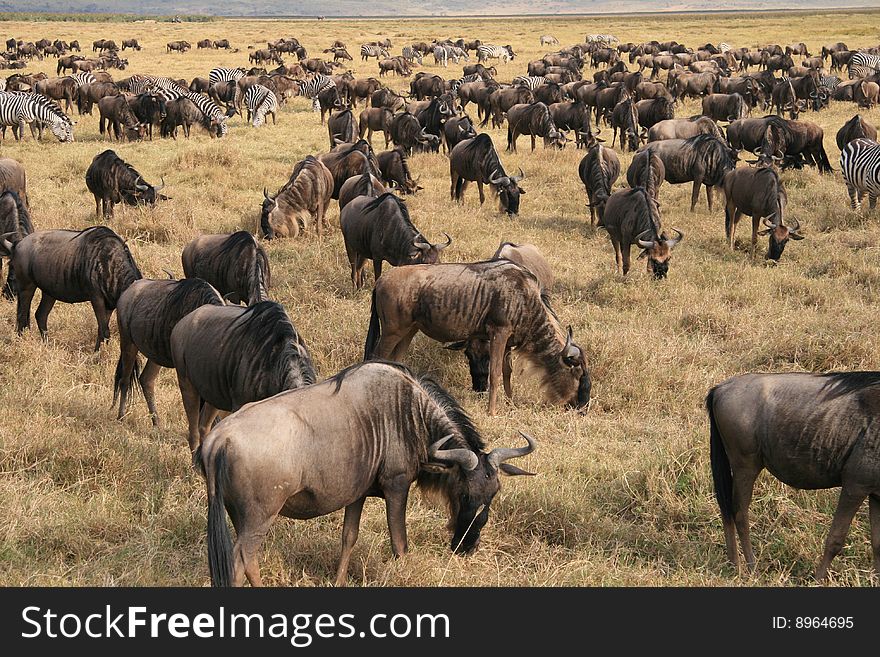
{"x":722,"y":476}
{"x":374,"y":332}
{"x":219,"y":541}
{"x":824,"y":164}
{"x":133,"y":380}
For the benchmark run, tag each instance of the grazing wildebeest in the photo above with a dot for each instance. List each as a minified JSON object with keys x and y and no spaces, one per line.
{"x":70,"y":266}
{"x":747,"y":134}
{"x":380,"y":229}
{"x":58,"y":89}
{"x":632,"y":216}
{"x":347,"y":160}
{"x":725,"y":107}
{"x":364,"y":185}
{"x":112,"y":180}
{"x":149,"y":109}
{"x":498,"y":301}
{"x":13,"y":179}
{"x":394,"y":171}
{"x":204,"y":43}
{"x":235,"y":264}
{"x":476,"y":160}
{"x":177,"y":46}
{"x":855,"y":128}
{"x":532,"y":119}
{"x":222,"y":43}
{"x":375,"y":119}
{"x":304,"y":197}
{"x":598,"y":170}
{"x":434,"y":444}
{"x":89,"y":94}
{"x":787,"y":139}
{"x":131,"y":43}
{"x":229,"y":356}
{"x":146,"y":314}
{"x":184,"y":112}
{"x":342,"y":128}
{"x":810,"y":431}
{"x":625,"y":117}
{"x":457,"y":129}
{"x":407,"y":133}
{"x":116,"y":114}
{"x":15,"y":224}
{"x":703,"y":159}
{"x":758,"y":193}
{"x":636,"y":170}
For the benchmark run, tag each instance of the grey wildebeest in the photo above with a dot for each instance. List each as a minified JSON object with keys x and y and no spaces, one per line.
{"x":13,"y":178}
{"x":288,"y":456}
{"x":304,"y":197}
{"x":228,"y":356}
{"x":146,"y":314}
{"x":380,"y":229}
{"x":684,"y":129}
{"x":811,"y":431}
{"x":111,"y":180}
{"x":801,"y":139}
{"x":632,"y":216}
{"x":725,"y":107}
{"x":117,"y":115}
{"x":70,"y":266}
{"x":235,"y":264}
{"x":532,"y":119}
{"x":342,"y":128}
{"x":476,"y":160}
{"x":703,"y":159}
{"x":394,"y":171}
{"x":855,"y":128}
{"x":496,"y":300}
{"x":364,"y":185}
{"x":347,"y":160}
{"x":407,"y":133}
{"x":758,"y":192}
{"x":15,"y":224}
{"x":457,"y":129}
{"x":636,"y":170}
{"x":374,"y":119}
{"x":598,"y":171}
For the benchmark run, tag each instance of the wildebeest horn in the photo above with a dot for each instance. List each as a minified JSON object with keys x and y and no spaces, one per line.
{"x":162,"y":186}
{"x":497,"y":181}
{"x":440,"y":247}
{"x":570,"y":350}
{"x":170,"y":274}
{"x":463,"y":457}
{"x":645,"y":244}
{"x":142,"y":188}
{"x":768,"y":221}
{"x":501,"y":454}
{"x":674,"y":241}
{"x":796,"y":227}
{"x":421,"y":243}
{"x":521,"y":175}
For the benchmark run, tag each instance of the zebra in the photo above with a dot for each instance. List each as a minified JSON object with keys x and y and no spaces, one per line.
{"x":83,"y":78}
{"x":411,"y":55}
{"x":139,"y":83}
{"x":220,"y":74}
{"x":860,"y":163}
{"x":441,"y":55}
{"x":606,"y":40}
{"x":458,"y":53}
{"x":311,"y":88}
{"x":863,"y":64}
{"x":455,"y":85}
{"x":829,"y":82}
{"x":549,"y":39}
{"x":260,"y":101}
{"x":212,"y":111}
{"x":530,"y":82}
{"x":18,"y":108}
{"x":368,"y":51}
{"x":723,"y":47}
{"x":486,"y":52}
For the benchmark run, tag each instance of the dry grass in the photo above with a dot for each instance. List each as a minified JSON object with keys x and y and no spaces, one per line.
{"x":624,"y":495}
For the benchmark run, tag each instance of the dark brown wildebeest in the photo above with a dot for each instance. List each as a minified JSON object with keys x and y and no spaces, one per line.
{"x":855,"y":128}
{"x":112,"y":180}
{"x":840,"y":60}
{"x":66,"y":63}
{"x":235,"y":264}
{"x":533,"y":119}
{"x":58,"y":89}
{"x":74,"y":45}
{"x":502,"y":99}
{"x":364,"y":185}
{"x":427,"y":85}
{"x":481,"y":70}
{"x":407,"y":133}
{"x":795,"y":139}
{"x":222,"y":43}
{"x":397,"y":65}
{"x":549,"y":93}
{"x":70,"y":266}
{"x":636,"y":170}
{"x":342,"y":128}
{"x":130,"y":43}
{"x":146,"y":314}
{"x":703,"y":159}
{"x":347,"y":160}
{"x":15,"y":224}
{"x":204,"y":43}
{"x":200,"y":85}
{"x":229,"y":356}
{"x":652,"y":111}
{"x":89,"y":94}
{"x":436,"y":445}
{"x":604,"y":98}
{"x":810,"y":431}
{"x":380,"y":229}
{"x":784,"y":98}
{"x":747,"y":134}
{"x":388,"y":98}
{"x":13,"y":179}
{"x":98,"y":45}
{"x":725,"y":107}
{"x":498,"y":301}
{"x":362,"y":89}
{"x":177,"y":46}
{"x":116,"y":114}
{"x":184,"y":112}
{"x":575,"y":116}
{"x":598,"y":170}
{"x":304,"y":197}
{"x":758,"y":193}
{"x":457,"y":129}
{"x":476,"y":160}
{"x":625,"y":117}
{"x":694,"y":85}
{"x":632,"y":216}
{"x":394,"y":171}
{"x":434,"y":116}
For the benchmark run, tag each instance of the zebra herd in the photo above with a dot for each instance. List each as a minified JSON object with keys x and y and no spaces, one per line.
{"x":444,"y":52}
{"x":863,"y":64}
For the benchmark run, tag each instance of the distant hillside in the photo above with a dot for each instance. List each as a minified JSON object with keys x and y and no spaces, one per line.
{"x":332,"y":8}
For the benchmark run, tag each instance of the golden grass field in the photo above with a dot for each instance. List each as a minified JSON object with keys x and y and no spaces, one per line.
{"x":624,"y":495}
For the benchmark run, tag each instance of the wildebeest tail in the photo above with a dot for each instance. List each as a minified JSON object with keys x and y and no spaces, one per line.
{"x":219,"y":541}
{"x":133,"y":379}
{"x":824,"y":164}
{"x":722,"y":476}
{"x":375,"y":330}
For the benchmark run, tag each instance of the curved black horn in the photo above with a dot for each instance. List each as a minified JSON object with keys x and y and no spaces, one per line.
{"x":162,"y":186}
{"x":440,"y":247}
{"x":463,"y":457}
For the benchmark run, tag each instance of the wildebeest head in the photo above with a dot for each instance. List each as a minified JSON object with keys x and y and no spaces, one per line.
{"x":658,"y":251}
{"x":146,"y":193}
{"x":509,"y":191}
{"x":427,"y":253}
{"x":779,"y":235}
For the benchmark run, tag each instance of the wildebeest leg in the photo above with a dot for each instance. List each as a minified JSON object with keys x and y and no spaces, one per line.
{"x":250,"y":534}
{"x":42,"y":315}
{"x":148,"y":385}
{"x":191,"y":403}
{"x":507,"y":370}
{"x":23,"y":310}
{"x":874,"y":513}
{"x":695,"y":195}
{"x":350,"y":526}
{"x":709,"y":196}
{"x":207,"y":415}
{"x":482,"y":194}
{"x":625,"y":254}
{"x":403,"y":344}
{"x":617,"y":254}
{"x":847,"y":506}
{"x":377,"y":268}
{"x":128,"y":352}
{"x":497,"y":347}
{"x":395,"y":512}
{"x":103,"y":317}
{"x":743,"y":485}
{"x":97,"y":207}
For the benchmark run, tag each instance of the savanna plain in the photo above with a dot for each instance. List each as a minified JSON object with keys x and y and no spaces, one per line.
{"x":623,"y":494}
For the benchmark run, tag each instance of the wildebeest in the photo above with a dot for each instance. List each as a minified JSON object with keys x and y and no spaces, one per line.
{"x":725,"y":107}
{"x":183,"y":112}
{"x":146,"y":314}
{"x":70,"y":266}
{"x":388,"y":98}
{"x":632,"y":216}
{"x":149,"y":109}
{"x":598,"y":171}
{"x":130,"y":43}
{"x":364,"y":185}
{"x":58,"y":89}
{"x":13,"y":178}
{"x":532,"y":119}
{"x":758,"y":193}
{"x":502,"y":99}
{"x":703,"y":159}
{"x":394,"y":170}
{"x":625,"y":117}
{"x":498,"y":301}
{"x":375,"y":119}
{"x":116,"y":114}
{"x":342,"y":128}
{"x":787,"y":139}
{"x":855,"y":128}
{"x":15,"y":224}
{"x":235,"y":264}
{"x":811,"y":431}
{"x":229,"y":356}
{"x":476,"y":160}
{"x":204,"y":43}
{"x":407,"y":133}
{"x":111,"y":180}
{"x":435,"y":444}
{"x":177,"y":46}
{"x":457,"y":129}
{"x":380,"y":229}
{"x":304,"y":197}
{"x":636,"y":170}
{"x":89,"y":94}
{"x":347,"y":160}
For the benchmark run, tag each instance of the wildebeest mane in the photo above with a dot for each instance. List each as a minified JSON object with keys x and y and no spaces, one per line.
{"x":238,"y":247}
{"x":405,"y":245}
{"x":100,"y":263}
{"x":839,"y":384}
{"x":715,"y":154}
{"x":489,"y":162}
{"x":23,"y":225}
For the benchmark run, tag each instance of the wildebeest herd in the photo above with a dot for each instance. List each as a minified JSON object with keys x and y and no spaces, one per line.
{"x":237,"y":353}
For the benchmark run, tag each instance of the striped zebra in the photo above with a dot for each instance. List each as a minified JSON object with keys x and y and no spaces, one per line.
{"x":860,"y":163}
{"x":18,"y":108}
{"x":139,"y":83}
{"x":455,"y":85}
{"x":83,"y":78}
{"x":723,"y":47}
{"x":458,"y":53}
{"x":829,"y":82}
{"x":604,"y":40}
{"x":221,"y":74}
{"x":214,"y":114}
{"x":260,"y":101}
{"x":411,"y":55}
{"x":373,"y":51}
{"x":441,"y":55}
{"x":486,"y":52}
{"x":530,"y":82}
{"x":863,"y":64}
{"x":311,"y":88}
